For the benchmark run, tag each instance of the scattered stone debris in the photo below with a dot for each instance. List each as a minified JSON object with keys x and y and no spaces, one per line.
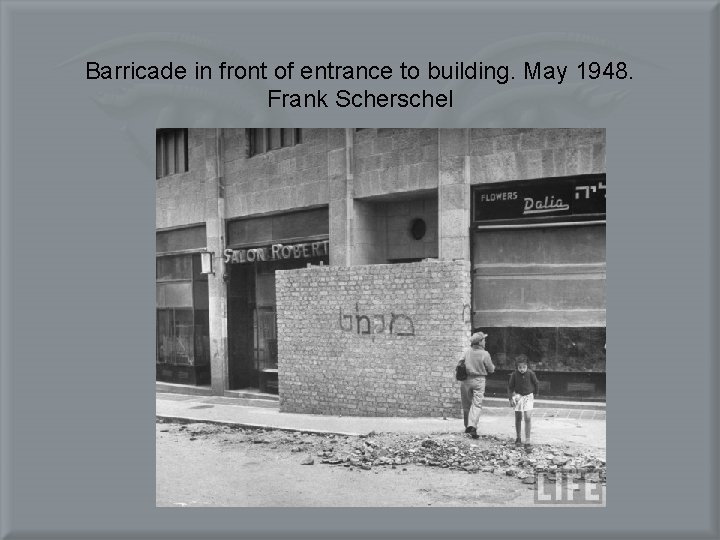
{"x":376,"y":451}
{"x":200,"y":428}
{"x":492,"y":455}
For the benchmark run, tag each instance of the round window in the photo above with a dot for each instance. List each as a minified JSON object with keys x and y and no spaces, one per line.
{"x":418,"y":228}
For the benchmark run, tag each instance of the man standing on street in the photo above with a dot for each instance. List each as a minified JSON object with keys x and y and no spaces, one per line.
{"x":472,"y":390}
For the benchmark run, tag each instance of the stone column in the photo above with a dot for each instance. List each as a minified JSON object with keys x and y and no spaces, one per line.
{"x":453,"y":194}
{"x":340,"y":176}
{"x":217,"y":288}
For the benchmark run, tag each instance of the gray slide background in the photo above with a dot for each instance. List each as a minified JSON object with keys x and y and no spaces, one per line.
{"x":78,"y":455}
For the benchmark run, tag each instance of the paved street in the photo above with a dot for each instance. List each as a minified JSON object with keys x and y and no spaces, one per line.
{"x":213,"y":465}
{"x":214,"y":451}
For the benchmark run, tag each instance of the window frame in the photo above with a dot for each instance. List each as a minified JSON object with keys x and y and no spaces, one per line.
{"x":179,"y":138}
{"x":260,"y":139}
{"x":194,"y":277}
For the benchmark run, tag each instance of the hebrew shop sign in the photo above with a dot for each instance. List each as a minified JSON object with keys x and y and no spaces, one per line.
{"x":576,"y":198}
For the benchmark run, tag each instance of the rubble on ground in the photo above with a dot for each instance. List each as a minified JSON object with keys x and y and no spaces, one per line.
{"x":489,"y":454}
{"x":492,"y":455}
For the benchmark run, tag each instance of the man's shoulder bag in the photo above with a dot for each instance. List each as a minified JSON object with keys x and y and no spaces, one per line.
{"x":460,"y":371}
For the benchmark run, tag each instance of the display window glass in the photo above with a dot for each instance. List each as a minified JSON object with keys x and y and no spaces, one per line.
{"x":182,"y":314}
{"x":548,"y":349}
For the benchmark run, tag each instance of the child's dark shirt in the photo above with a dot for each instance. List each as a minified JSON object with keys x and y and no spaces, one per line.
{"x":523,"y":383}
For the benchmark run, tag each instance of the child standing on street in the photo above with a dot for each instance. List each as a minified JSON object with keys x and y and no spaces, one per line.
{"x":523,"y":386}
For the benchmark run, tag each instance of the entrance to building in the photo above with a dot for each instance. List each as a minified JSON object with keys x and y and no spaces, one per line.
{"x":252,"y":325}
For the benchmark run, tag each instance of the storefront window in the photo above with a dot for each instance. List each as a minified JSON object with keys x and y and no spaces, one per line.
{"x":202,"y":337}
{"x":171,"y":268}
{"x":183,"y":350}
{"x":177,"y":343}
{"x":548,"y":349}
{"x":539,"y":280}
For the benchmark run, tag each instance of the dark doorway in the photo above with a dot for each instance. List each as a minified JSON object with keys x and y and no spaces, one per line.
{"x":252,"y":324}
{"x":241,"y":327}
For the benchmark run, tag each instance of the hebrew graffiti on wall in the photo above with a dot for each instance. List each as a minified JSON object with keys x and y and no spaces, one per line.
{"x":405,"y":326}
{"x":399,"y":324}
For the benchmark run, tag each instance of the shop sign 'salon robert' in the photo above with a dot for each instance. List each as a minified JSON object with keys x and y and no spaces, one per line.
{"x":277,"y":252}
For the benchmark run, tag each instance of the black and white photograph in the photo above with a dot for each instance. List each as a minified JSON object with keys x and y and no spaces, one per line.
{"x":374,"y":267}
{"x":380,"y":317}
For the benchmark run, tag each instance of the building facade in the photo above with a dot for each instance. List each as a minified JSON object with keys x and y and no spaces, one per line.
{"x":345,"y":268}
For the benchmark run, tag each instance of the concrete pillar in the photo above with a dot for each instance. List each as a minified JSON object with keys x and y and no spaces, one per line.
{"x":340,"y":175}
{"x":217,"y":288}
{"x":453,"y":194}
{"x":369,"y":233}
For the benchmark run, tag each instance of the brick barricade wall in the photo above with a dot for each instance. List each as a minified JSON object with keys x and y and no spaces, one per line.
{"x":376,"y":340}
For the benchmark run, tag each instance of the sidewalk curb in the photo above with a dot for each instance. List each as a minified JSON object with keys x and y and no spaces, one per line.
{"x":274,"y":400}
{"x":245,"y":425}
{"x":550,"y":404}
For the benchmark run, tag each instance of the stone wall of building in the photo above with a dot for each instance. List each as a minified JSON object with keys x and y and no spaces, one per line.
{"x":382,"y":230}
{"x":399,"y":216}
{"x":499,"y":155}
{"x":284,"y":179}
{"x":392,"y":161}
{"x":386,"y":162}
{"x":183,"y":198}
{"x":377,"y":340}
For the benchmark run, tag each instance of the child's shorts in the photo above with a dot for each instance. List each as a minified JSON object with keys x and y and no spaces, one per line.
{"x":523,"y":403}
